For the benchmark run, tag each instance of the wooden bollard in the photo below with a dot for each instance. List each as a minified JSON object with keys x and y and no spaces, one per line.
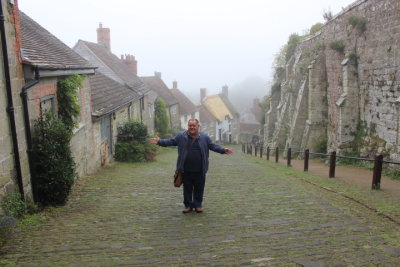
{"x":306,"y":157}
{"x":255,"y":150}
{"x":289,"y":157}
{"x":276,"y":154}
{"x":376,"y":178}
{"x":261,"y":151}
{"x":332,"y":165}
{"x":267,"y":152}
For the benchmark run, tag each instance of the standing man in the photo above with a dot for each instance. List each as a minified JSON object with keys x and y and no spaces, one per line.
{"x":193,"y":152}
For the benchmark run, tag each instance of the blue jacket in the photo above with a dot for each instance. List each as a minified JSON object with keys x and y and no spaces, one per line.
{"x":182,"y":141}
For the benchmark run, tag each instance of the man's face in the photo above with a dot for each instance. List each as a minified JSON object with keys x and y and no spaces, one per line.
{"x":193,"y":128}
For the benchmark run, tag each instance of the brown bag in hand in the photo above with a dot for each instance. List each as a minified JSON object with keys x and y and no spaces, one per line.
{"x":178,"y":179}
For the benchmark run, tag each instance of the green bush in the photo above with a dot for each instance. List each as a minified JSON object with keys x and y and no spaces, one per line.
{"x":358,"y":22}
{"x":132,"y":143}
{"x":315,"y":28}
{"x":161,"y":121}
{"x":132,"y":130}
{"x":337,"y":45}
{"x":294,"y":40}
{"x":67,"y":96}
{"x":13,"y":205}
{"x":322,"y":145}
{"x":135,"y":151}
{"x":54,"y":164}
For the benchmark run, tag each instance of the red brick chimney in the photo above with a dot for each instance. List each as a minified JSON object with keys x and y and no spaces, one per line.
{"x":103,"y":37}
{"x":131,"y":62}
{"x":203,"y":93}
{"x":174,"y":85}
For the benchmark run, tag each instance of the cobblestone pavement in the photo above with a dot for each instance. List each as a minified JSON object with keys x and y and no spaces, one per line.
{"x":257,"y":213}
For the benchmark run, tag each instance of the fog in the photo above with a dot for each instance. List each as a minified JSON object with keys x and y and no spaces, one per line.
{"x":199,"y":44}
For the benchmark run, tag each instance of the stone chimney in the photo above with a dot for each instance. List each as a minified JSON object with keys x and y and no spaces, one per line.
{"x":203,"y":94}
{"x":174,"y":85}
{"x":256,"y":102}
{"x":157,"y":74}
{"x":103,"y":37}
{"x":131,"y":62}
{"x":225,"y":90}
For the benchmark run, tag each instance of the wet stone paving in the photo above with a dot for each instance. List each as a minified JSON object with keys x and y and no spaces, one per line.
{"x":255,"y":214}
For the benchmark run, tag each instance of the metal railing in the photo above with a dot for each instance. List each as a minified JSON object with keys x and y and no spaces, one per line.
{"x":377,"y":170}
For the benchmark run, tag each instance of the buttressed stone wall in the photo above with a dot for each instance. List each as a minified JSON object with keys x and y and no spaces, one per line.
{"x":343,"y":84}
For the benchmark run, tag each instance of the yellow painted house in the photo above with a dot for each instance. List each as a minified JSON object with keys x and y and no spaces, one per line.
{"x":227,"y":118}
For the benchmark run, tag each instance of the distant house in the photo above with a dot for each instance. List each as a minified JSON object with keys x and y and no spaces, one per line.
{"x":123,"y":71}
{"x":208,"y":123}
{"x":227,"y":128}
{"x":156,"y":84}
{"x":46,"y":60}
{"x":187,"y":109}
{"x":250,"y":123}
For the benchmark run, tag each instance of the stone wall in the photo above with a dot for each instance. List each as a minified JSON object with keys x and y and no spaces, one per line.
{"x":350,"y":96}
{"x":8,"y":181}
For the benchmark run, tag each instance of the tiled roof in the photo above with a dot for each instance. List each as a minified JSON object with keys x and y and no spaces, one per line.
{"x":205,"y":115}
{"x":41,"y":48}
{"x":156,"y":84}
{"x":110,"y":65}
{"x":108,"y":95}
{"x":185,"y":105}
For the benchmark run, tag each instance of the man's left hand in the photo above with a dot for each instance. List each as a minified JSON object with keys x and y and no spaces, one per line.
{"x":228,"y":151}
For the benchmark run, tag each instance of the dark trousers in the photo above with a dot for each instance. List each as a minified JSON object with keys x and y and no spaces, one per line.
{"x":193,"y":189}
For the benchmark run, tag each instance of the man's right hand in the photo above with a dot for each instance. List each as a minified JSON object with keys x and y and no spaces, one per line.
{"x":154,"y":140}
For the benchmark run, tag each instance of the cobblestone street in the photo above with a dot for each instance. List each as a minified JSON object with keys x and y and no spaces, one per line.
{"x":257,"y":213}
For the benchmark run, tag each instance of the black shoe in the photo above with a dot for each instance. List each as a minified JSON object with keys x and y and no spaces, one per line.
{"x":199,"y":210}
{"x":187,"y":210}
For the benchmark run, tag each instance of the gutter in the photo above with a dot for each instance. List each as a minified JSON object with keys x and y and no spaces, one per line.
{"x":10,"y":107}
{"x":28,"y":133}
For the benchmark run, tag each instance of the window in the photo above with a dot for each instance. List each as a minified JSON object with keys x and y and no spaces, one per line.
{"x":173,"y":110}
{"x":47,"y":104}
{"x":130,"y":110}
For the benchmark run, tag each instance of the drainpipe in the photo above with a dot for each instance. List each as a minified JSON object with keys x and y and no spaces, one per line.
{"x":28,"y":133}
{"x":10,"y":107}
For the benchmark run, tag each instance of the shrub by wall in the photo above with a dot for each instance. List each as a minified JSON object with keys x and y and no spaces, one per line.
{"x":132,"y":143}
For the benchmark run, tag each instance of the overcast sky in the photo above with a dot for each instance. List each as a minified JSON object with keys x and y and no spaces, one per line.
{"x":200,"y":44}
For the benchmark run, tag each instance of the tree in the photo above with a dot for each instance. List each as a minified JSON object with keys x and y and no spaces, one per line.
{"x":161,"y":120}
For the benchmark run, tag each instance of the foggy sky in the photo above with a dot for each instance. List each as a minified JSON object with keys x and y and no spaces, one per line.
{"x":200,"y":44}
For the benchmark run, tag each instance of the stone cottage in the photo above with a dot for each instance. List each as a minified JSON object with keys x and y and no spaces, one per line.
{"x":46,"y":60}
{"x":158,"y":86}
{"x":208,"y":122}
{"x":123,"y":71}
{"x":187,"y":110}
